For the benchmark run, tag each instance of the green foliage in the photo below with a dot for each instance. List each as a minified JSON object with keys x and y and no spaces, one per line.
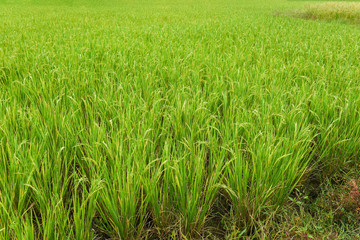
{"x":157,"y":119}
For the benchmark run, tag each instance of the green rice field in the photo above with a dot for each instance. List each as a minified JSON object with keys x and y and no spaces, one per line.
{"x":168,"y":119}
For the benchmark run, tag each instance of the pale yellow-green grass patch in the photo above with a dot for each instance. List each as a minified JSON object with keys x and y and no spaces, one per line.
{"x":343,"y":11}
{"x":335,"y":10}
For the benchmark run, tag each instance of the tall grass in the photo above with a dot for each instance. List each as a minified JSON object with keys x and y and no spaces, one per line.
{"x":167,"y":120}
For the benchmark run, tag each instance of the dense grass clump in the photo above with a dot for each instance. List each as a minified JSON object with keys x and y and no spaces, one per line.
{"x":168,"y":120}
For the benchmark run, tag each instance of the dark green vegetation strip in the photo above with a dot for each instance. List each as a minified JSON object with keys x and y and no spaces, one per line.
{"x":167,"y":120}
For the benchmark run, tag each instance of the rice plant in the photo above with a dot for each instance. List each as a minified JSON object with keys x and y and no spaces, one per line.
{"x":168,"y":119}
